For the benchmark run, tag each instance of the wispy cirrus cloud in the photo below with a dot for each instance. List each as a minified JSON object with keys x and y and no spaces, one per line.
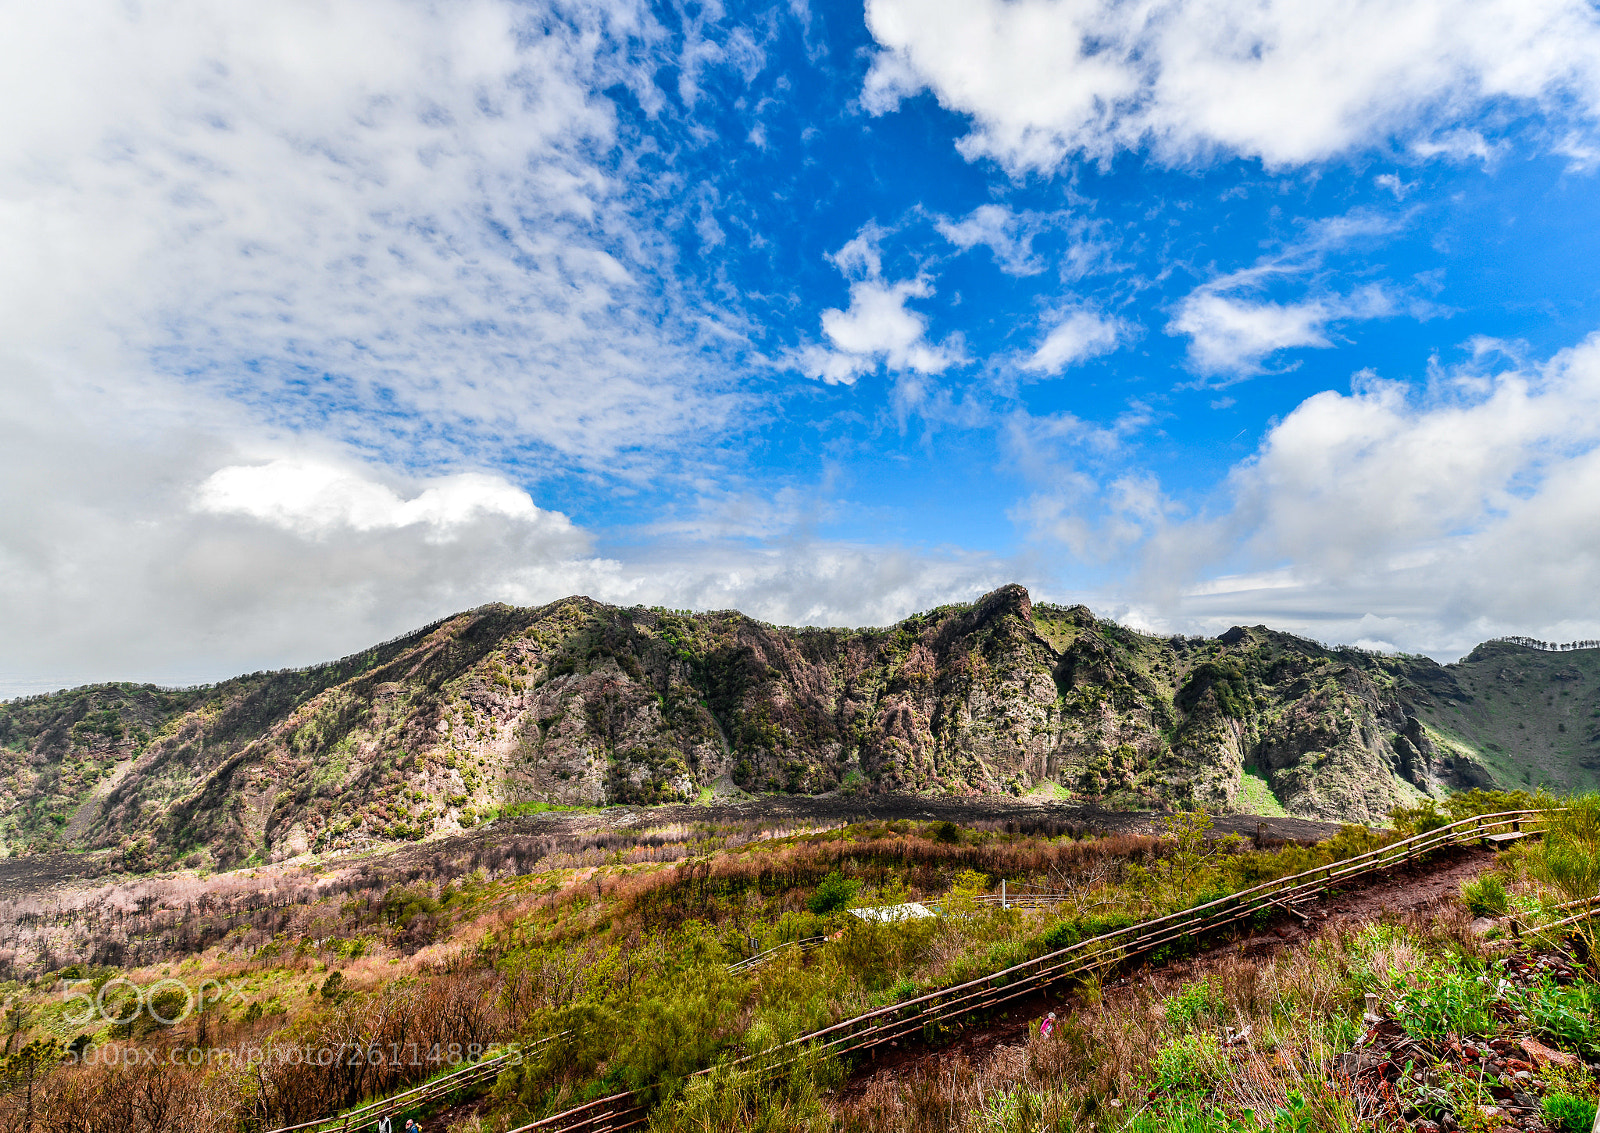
{"x":1008,"y":235}
{"x":1234,"y":327}
{"x":400,"y":225}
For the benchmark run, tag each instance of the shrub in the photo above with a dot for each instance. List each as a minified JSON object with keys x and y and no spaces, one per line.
{"x":1185,"y":1115}
{"x":1448,"y":1001}
{"x":1485,"y":897}
{"x":1567,"y":1016}
{"x":834,"y":893}
{"x":1189,"y":1064}
{"x":1193,"y":1001}
{"x":1010,"y":1110}
{"x":1571,"y":866}
{"x":1059,"y":936}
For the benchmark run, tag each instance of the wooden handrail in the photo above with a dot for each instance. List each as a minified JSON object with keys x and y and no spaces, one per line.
{"x":873,"y":1028}
{"x":885,"y":1024}
{"x":443,"y":1084}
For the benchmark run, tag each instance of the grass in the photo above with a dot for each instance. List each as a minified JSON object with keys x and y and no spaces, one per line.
{"x":626,"y":956}
{"x":1255,"y":797}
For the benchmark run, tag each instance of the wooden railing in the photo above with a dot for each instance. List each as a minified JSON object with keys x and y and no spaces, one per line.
{"x":749,"y":963}
{"x":888,"y":1024}
{"x":470,"y":1075}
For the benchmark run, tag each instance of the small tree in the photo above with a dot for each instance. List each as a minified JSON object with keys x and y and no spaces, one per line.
{"x":22,"y":1072}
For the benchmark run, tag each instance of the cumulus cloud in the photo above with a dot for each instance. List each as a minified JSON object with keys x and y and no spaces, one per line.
{"x":1430,"y":520}
{"x":315,"y":498}
{"x":180,"y":553}
{"x":878,"y":328}
{"x":1078,"y":336}
{"x":822,"y":582}
{"x":1231,"y":335}
{"x":1285,"y":81}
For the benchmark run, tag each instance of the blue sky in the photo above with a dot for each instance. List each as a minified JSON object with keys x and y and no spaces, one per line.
{"x":324,"y":320}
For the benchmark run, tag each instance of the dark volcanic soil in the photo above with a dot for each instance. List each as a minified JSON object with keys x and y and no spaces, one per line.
{"x":798,"y":812}
{"x":39,"y":872}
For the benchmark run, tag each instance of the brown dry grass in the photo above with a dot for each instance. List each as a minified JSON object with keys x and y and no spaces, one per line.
{"x":1098,"y":1066}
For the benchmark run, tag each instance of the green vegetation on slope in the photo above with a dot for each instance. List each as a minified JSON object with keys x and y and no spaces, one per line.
{"x":581,"y":704}
{"x":1531,"y":716}
{"x":627,"y":969}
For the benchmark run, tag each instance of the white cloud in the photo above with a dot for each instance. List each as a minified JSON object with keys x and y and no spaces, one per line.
{"x":1078,"y":336}
{"x":878,"y":328}
{"x":389,"y":221}
{"x":175,"y":556}
{"x":1288,"y":81}
{"x":317,"y":498}
{"x":808,"y":582}
{"x":1449,"y":517}
{"x":1394,"y":184}
{"x":1233,"y":328}
{"x":1008,"y":234}
{"x":1229,"y":335}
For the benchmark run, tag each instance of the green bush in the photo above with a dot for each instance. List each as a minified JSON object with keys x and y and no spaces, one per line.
{"x":1449,"y":1001}
{"x":1486,"y":896}
{"x":835,"y":892}
{"x":1066,"y":933}
{"x":1185,"y":1115}
{"x":1569,"y":1114}
{"x":1567,"y":1016}
{"x":1566,"y":859}
{"x":1188,"y":1064}
{"x":1193,"y":1002}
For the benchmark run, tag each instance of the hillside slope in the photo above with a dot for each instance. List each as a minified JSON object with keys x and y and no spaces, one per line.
{"x":1532,"y":716}
{"x":578,"y":702}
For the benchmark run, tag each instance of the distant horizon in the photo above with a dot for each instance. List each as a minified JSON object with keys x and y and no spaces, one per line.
{"x":321,"y":320}
{"x":46,"y":689}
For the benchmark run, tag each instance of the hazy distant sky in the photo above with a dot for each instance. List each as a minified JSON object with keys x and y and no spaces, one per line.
{"x":319,"y":320}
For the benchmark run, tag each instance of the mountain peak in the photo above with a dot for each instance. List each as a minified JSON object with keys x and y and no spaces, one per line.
{"x":578,"y":702}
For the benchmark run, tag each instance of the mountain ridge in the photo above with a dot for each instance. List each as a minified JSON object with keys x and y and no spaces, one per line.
{"x":580,"y":703}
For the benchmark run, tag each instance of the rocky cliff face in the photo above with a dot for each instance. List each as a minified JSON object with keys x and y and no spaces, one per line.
{"x":582,"y":703}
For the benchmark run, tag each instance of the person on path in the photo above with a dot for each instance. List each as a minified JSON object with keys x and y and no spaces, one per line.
{"x":1047,"y":1025}
{"x":385,"y":1124}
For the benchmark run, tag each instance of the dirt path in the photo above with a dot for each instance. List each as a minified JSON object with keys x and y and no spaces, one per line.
{"x":1396,"y":891}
